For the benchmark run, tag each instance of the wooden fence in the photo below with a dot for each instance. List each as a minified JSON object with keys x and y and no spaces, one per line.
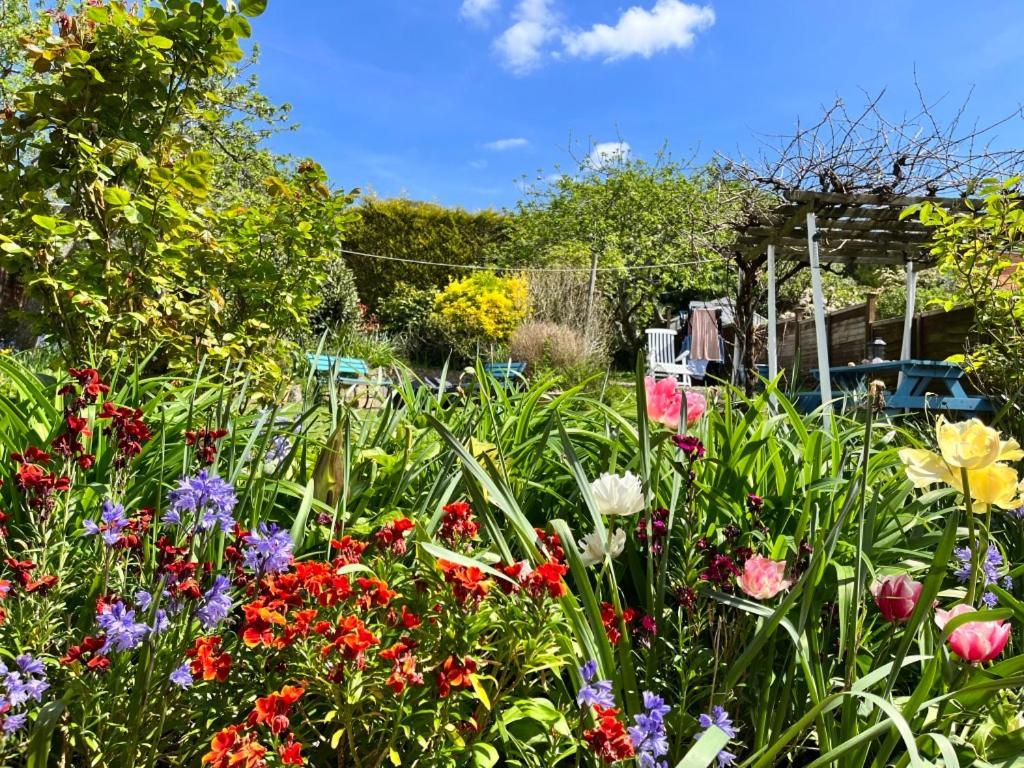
{"x":935,"y":336}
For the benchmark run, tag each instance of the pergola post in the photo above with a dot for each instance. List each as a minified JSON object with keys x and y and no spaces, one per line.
{"x":773,"y":340}
{"x":820,"y":331}
{"x":908,"y":315}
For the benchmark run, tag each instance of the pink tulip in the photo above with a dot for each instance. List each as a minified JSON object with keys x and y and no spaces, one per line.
{"x":975,"y":641}
{"x":896,"y":597}
{"x":665,"y":403}
{"x":762,"y":578}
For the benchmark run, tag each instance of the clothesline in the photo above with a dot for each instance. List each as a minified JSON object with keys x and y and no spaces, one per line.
{"x":488,"y":267}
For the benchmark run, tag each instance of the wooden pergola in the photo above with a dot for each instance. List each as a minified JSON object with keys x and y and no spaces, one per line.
{"x":821,"y":228}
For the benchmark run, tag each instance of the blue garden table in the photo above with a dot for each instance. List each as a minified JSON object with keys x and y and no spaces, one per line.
{"x":917,"y":385}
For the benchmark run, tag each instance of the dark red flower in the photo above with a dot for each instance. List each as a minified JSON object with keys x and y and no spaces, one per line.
{"x":455,"y":673}
{"x":392,"y":535}
{"x":458,"y":524}
{"x":469,"y":584}
{"x":609,"y":740}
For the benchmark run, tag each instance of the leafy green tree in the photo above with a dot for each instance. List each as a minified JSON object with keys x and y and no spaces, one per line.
{"x":418,"y":231}
{"x":639,"y":220}
{"x":108,"y":213}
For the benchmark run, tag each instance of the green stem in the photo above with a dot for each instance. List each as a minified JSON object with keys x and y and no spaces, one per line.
{"x":974,"y":544}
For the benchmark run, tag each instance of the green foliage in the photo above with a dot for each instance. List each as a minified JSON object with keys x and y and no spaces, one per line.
{"x":106,"y":207}
{"x":480,"y":310}
{"x":979,"y":254}
{"x":628,"y":213}
{"x":339,"y":302}
{"x":421,"y":231}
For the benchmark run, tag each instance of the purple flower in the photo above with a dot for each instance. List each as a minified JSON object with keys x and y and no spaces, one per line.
{"x":112,"y":522}
{"x":649,"y":737}
{"x":122,"y":630}
{"x":990,"y":567}
{"x":208,"y":496}
{"x":30,"y":666}
{"x":182,"y":676}
{"x":26,"y":682}
{"x":1017,"y":513}
{"x":216,"y":603}
{"x":268,"y":550}
{"x":720,"y":718}
{"x":598,"y":692}
{"x":279,"y":447}
{"x":14,"y":723}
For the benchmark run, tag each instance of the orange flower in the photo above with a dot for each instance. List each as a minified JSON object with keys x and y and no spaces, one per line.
{"x":547,"y":579}
{"x":208,"y":661}
{"x":291,"y":753}
{"x":260,"y":620}
{"x":468,"y":582}
{"x":352,"y":639}
{"x":230,"y":748}
{"x":375,"y":593}
{"x":273,"y":710}
{"x":455,"y":674}
{"x":349,"y":550}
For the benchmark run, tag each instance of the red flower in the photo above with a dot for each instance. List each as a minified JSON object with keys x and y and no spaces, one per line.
{"x":455,"y":674}
{"x":352,"y":639}
{"x":404,"y":671}
{"x":208,"y":661}
{"x":468,"y":582}
{"x":206,"y":439}
{"x":458,"y":524}
{"x":231,"y":748}
{"x":546,"y":579}
{"x":89,"y":380}
{"x":88,"y":652}
{"x":375,"y":593}
{"x":260,"y":620}
{"x":550,"y":543}
{"x":349,"y":550}
{"x":392,"y":535}
{"x":291,"y":753}
{"x":127,"y":428}
{"x":609,"y":740}
{"x":273,"y":710}
{"x":613,"y":621}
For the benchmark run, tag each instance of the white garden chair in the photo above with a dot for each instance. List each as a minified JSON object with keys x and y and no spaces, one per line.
{"x":662,"y":359}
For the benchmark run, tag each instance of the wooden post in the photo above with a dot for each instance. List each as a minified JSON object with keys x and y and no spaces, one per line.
{"x":773,"y":339}
{"x":870,"y":310}
{"x":820,"y":331}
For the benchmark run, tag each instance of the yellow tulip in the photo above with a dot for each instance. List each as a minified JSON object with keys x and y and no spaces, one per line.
{"x":968,"y":444}
{"x":925,"y":468}
{"x":995,"y":486}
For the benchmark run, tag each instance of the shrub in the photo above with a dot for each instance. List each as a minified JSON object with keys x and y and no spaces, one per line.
{"x":339,"y":306}
{"x":543,"y":345}
{"x":483,"y":309}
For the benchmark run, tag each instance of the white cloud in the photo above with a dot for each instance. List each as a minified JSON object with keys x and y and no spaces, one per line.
{"x":639,"y":32}
{"x":521,"y":45}
{"x":609,"y":153}
{"x":503,"y":145}
{"x":478,"y":10}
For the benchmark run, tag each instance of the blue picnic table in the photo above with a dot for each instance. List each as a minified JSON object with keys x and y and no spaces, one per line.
{"x":920,"y":385}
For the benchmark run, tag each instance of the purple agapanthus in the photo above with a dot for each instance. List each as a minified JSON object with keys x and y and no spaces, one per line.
{"x":720,"y":718}
{"x":15,"y":722}
{"x":182,"y":676}
{"x":216,"y":603}
{"x":594,"y":692}
{"x":649,"y":736}
{"x":112,"y":521}
{"x":991,"y":564}
{"x":268,"y":549}
{"x":209,"y":497}
{"x":123,"y":632}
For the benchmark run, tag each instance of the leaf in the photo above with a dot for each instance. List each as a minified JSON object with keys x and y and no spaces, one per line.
{"x":704,"y":752}
{"x":484,"y":755}
{"x":116,"y":196}
{"x":45,"y":222}
{"x":481,"y":692}
{"x":163,"y":43}
{"x":298,"y":531}
{"x":42,"y":734}
{"x":252,"y":7}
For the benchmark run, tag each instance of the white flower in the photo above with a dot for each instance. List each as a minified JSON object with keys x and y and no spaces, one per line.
{"x":618,"y":494}
{"x":595,"y":547}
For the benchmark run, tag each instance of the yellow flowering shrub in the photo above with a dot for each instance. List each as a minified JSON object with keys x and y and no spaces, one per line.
{"x":481,"y":309}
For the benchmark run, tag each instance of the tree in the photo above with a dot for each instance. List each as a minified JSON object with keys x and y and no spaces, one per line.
{"x":650,"y":228}
{"x":107,"y":210}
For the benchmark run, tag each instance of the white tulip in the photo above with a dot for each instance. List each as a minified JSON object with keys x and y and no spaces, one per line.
{"x":618,"y":494}
{"x":594,"y":547}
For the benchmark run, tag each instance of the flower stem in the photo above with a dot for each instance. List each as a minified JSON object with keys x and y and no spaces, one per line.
{"x":972,"y":585}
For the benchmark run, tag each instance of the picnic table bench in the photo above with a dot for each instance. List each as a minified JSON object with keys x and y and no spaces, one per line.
{"x":506,"y":373}
{"x":917,"y":385}
{"x":345,"y":370}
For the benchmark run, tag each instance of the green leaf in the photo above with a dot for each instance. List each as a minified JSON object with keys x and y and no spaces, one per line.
{"x":158,"y":41}
{"x":484,"y":755}
{"x":704,"y":752}
{"x":252,"y":7}
{"x":117,"y":196}
{"x":298,"y":531}
{"x":47,"y":223}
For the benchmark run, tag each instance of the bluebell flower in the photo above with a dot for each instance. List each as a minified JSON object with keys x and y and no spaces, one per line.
{"x":649,"y":737}
{"x":720,"y":718}
{"x":143,"y":599}
{"x":1017,"y":513}
{"x":112,"y":522}
{"x":268,"y":549}
{"x":122,"y":630}
{"x":990,"y":599}
{"x":598,"y":692}
{"x":14,"y":723}
{"x":280,"y":446}
{"x":216,"y":603}
{"x":30,"y":666}
{"x":26,"y":682}
{"x":209,"y":497}
{"x":990,"y":567}
{"x":182,"y":676}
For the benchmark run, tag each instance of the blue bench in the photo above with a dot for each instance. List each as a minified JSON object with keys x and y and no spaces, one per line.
{"x":345,"y":370}
{"x":506,"y":373}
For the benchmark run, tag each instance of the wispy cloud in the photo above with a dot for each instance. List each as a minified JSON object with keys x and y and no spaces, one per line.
{"x":522,"y":45}
{"x":609,"y":153}
{"x":478,"y":10}
{"x":503,"y":145}
{"x":639,"y":32}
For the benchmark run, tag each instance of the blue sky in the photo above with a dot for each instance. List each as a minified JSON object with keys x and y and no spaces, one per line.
{"x":455,"y":101}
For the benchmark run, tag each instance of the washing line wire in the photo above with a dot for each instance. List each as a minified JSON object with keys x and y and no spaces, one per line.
{"x":488,"y":267}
